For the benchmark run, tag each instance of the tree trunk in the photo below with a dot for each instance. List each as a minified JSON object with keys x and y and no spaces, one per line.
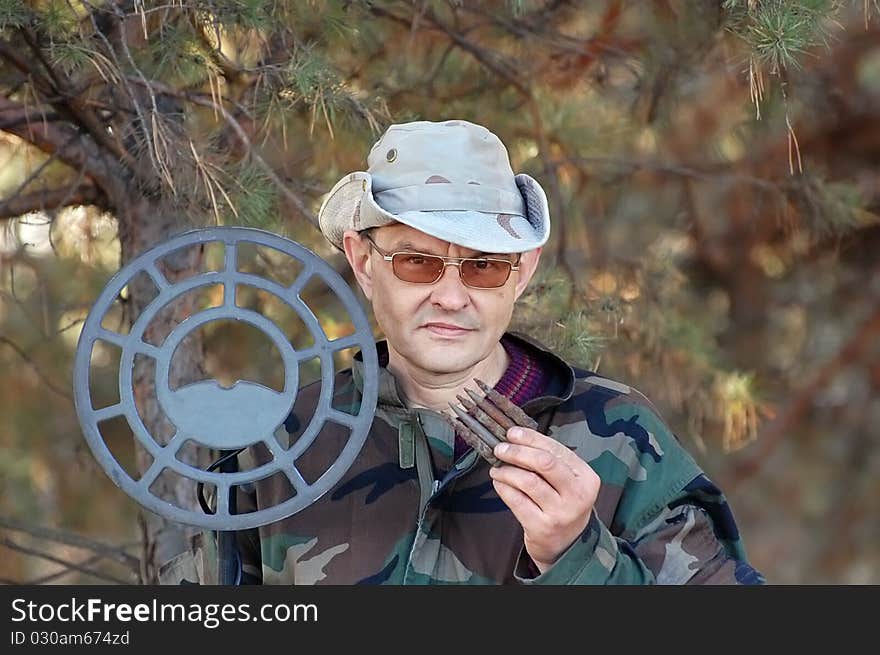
{"x":143,"y":225}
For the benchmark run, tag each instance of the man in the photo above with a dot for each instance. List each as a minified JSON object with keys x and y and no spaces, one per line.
{"x":443,"y":238}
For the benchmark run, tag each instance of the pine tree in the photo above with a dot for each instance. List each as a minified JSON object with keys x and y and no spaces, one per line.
{"x":702,"y":175}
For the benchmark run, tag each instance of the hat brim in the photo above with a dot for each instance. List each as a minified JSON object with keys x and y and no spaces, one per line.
{"x":350,"y":205}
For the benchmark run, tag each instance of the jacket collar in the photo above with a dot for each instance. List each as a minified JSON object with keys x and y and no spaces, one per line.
{"x":563,"y":376}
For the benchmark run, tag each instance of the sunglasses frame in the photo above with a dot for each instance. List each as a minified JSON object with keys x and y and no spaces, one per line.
{"x":447,"y":261}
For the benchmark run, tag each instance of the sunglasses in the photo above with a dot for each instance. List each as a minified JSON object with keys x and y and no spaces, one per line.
{"x":421,"y":268}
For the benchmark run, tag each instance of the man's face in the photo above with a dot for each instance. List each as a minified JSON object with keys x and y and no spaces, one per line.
{"x":443,"y":327}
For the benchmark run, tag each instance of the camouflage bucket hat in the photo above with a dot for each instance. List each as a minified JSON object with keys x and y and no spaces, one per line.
{"x":452,"y":180}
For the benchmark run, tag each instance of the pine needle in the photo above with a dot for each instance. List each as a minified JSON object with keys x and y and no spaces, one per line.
{"x":327,"y":118}
{"x":207,"y":180}
{"x":160,"y":150}
{"x":868,"y":11}
{"x":140,"y":10}
{"x":756,"y":85}
{"x":793,"y":147}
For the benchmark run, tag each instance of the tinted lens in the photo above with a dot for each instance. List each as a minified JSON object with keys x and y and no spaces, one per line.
{"x":485,"y":273}
{"x":411,"y":267}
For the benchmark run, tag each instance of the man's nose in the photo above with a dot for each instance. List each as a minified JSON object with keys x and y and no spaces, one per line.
{"x":449,"y":292}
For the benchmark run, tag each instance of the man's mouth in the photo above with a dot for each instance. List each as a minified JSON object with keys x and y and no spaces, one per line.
{"x":446,"y":329}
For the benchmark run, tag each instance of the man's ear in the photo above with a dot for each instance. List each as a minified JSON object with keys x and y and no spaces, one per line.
{"x":528,"y":264}
{"x":357,"y":252}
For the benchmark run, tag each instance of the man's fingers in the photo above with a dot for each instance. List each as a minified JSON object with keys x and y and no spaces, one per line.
{"x":521,"y":506}
{"x":526,"y":437}
{"x":554,"y":470}
{"x":563,"y":470}
{"x":538,"y":490}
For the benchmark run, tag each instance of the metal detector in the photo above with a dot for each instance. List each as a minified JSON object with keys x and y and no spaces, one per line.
{"x":223,"y":419}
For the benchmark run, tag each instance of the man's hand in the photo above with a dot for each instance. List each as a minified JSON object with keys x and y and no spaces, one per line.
{"x":549,"y":489}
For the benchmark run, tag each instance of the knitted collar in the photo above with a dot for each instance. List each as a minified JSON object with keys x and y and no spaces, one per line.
{"x":526,"y":376}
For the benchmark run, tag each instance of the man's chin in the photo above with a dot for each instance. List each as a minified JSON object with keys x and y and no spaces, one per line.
{"x":447,"y":355}
{"x":447,"y":367}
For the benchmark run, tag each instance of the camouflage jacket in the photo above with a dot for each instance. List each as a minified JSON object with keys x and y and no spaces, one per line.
{"x":405,"y":513}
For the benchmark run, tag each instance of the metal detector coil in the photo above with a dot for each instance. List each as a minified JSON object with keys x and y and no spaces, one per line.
{"x":214,"y":416}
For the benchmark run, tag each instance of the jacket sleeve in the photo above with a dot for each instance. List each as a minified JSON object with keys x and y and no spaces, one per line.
{"x":662,"y":520}
{"x":683,"y":544}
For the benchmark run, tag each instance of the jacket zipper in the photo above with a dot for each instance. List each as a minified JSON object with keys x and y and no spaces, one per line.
{"x":423,"y":470}
{"x":423,"y":466}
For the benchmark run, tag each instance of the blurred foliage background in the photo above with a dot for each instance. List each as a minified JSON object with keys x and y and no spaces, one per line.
{"x":713,"y":171}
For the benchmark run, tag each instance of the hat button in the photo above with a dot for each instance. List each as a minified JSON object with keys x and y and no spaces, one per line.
{"x":391,"y":155}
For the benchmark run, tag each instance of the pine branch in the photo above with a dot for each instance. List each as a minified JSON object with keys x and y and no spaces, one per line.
{"x":698,"y":172}
{"x":39,"y":169}
{"x":70,"y":539}
{"x":159,"y":166}
{"x":72,"y":196}
{"x":65,"y":570}
{"x":197,"y":99}
{"x":26,"y":66}
{"x":81,"y":154}
{"x":25,"y":118}
{"x":554,"y":41}
{"x":45,"y":380}
{"x":491,"y":60}
{"x":51,"y":558}
{"x":65,"y":98}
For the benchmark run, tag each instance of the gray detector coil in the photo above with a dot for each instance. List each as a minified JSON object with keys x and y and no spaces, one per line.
{"x":215,"y":417}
